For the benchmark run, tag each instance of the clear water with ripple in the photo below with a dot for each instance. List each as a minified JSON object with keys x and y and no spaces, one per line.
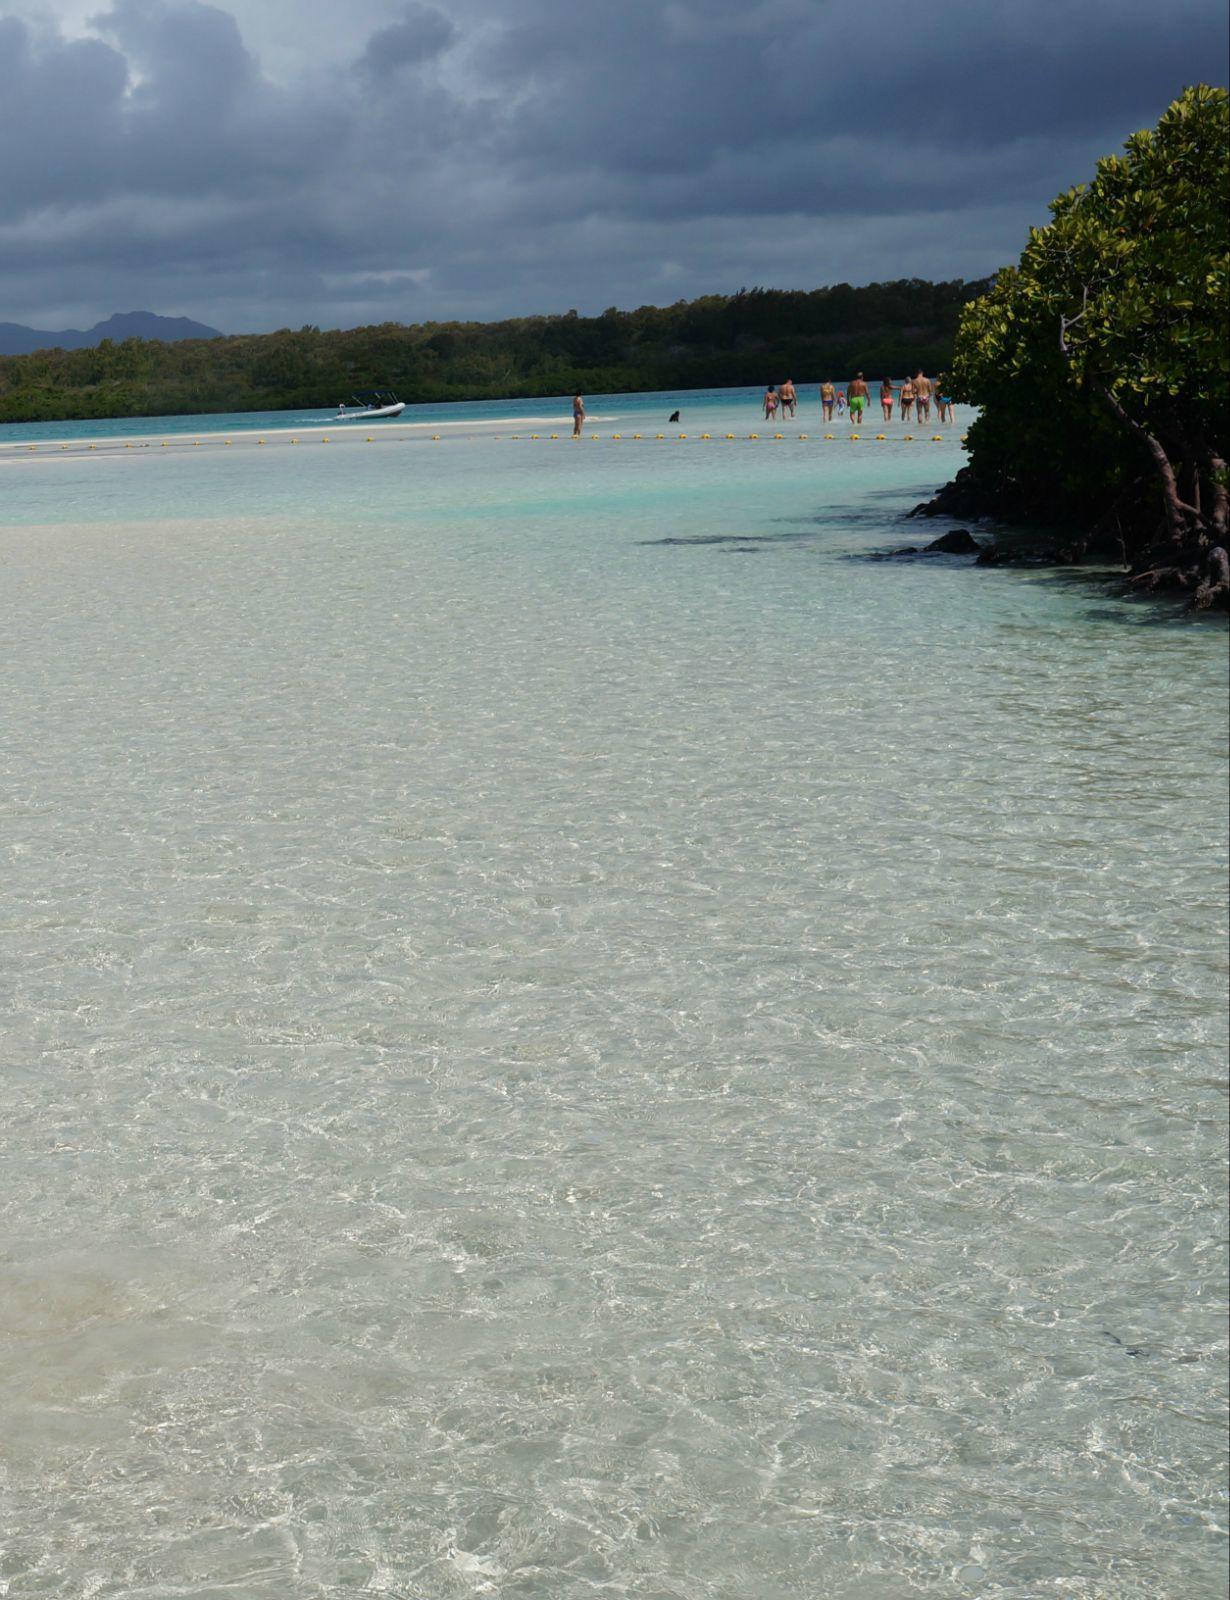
{"x":567,"y":1035}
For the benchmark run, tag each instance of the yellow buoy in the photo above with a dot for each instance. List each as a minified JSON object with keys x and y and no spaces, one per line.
{"x":937,"y":438}
{"x":730,"y":435}
{"x":829,"y":436}
{"x":260,"y":441}
{"x":908,"y":436}
{"x":753,"y":436}
{"x":636,"y":436}
{"x":803,"y":436}
{"x":164,"y":445}
{"x":617,"y":436}
{"x":705,"y":436}
{"x":555,"y":435}
{"x":855,"y":437}
{"x":779,"y":435}
{"x":436,"y":437}
{"x":683,"y":435}
{"x":659,"y":436}
{"x":535,"y":436}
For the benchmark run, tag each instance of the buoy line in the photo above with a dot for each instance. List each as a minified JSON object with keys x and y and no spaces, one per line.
{"x":512,"y":438}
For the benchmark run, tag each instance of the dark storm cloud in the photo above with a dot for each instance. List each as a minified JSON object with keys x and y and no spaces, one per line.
{"x":501,"y":158}
{"x":652,"y":86}
{"x":419,"y":35}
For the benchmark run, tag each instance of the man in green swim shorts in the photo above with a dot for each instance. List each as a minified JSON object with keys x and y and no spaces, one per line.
{"x":859,"y":396}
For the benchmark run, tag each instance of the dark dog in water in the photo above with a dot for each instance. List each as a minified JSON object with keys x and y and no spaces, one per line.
{"x":674,"y":417}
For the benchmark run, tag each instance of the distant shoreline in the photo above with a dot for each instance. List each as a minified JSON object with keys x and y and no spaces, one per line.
{"x":755,"y":337}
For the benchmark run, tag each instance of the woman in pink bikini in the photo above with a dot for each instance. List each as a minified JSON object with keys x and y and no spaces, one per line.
{"x":886,"y":398}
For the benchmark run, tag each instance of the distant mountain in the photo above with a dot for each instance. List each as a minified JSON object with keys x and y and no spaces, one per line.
{"x":16,"y":340}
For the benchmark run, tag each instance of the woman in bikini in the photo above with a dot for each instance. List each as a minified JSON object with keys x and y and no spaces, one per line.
{"x":770,"y":403}
{"x":886,"y":398}
{"x":578,"y":415}
{"x":907,"y":399}
{"x":828,"y":399}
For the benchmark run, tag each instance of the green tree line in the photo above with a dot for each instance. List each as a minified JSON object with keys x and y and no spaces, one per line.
{"x":1101,"y":361}
{"x":756,"y":336}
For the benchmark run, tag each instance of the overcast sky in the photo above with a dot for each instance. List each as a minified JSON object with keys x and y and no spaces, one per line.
{"x":261,"y":163}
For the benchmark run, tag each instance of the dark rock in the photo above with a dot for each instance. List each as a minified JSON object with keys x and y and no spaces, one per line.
{"x":960,"y":542}
{"x":1001,"y":555}
{"x":1213,"y":593}
{"x":963,"y":497}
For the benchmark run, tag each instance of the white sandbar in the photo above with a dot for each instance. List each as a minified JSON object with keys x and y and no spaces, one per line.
{"x":314,"y":432}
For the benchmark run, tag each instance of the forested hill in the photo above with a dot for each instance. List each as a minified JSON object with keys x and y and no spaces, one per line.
{"x":757,"y":336}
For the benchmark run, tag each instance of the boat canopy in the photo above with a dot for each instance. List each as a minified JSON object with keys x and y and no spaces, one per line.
{"x":373,"y":397}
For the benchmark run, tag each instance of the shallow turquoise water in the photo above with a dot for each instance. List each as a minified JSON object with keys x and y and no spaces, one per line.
{"x":548,"y":1062}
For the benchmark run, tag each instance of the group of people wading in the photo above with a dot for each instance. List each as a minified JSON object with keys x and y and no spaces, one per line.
{"x":916,"y":398}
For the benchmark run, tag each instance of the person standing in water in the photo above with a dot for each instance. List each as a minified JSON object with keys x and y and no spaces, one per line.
{"x":859,"y":396}
{"x":922,"y":396}
{"x":907,"y":399}
{"x":578,"y":415}
{"x":789,"y":398}
{"x":828,"y":399}
{"x":770,"y":403}
{"x":886,"y":398}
